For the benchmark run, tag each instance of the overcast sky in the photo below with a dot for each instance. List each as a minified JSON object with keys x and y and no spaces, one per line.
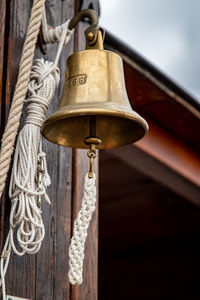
{"x":166,"y":32}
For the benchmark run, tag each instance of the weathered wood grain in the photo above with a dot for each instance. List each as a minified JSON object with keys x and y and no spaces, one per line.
{"x":52,"y":260}
{"x":2,"y":35}
{"x":44,"y":277}
{"x":2,"y":81}
{"x":20,"y":277}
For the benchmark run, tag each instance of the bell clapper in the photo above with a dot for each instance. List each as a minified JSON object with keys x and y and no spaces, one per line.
{"x":92,"y":141}
{"x":92,"y":153}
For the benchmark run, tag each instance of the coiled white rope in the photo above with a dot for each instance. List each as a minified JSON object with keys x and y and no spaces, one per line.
{"x":29,"y":177}
{"x":15,"y":112}
{"x":81,"y":224}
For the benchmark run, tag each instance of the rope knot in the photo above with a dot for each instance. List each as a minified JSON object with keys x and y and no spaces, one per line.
{"x":44,"y":80}
{"x":42,"y":154}
{"x":42,"y":69}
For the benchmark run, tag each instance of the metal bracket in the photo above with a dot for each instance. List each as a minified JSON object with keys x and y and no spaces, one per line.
{"x":92,"y":31}
{"x":16,"y":298}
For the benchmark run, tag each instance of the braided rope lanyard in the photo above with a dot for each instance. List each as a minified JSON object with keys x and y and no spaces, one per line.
{"x":81,"y":224}
{"x":29,"y":177}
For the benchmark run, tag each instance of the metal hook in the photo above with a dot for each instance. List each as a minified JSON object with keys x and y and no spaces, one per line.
{"x":85,"y":13}
{"x":91,"y":32}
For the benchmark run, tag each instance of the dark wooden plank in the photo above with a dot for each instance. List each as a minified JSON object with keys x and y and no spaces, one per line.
{"x":17,"y":17}
{"x":44,"y":277}
{"x":2,"y":33}
{"x":52,"y":260}
{"x":2,"y":82}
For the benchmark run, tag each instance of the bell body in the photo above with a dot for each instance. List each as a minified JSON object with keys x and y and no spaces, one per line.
{"x":94,"y":87}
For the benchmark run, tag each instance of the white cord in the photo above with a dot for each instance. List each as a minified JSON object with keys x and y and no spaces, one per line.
{"x":29,"y":177}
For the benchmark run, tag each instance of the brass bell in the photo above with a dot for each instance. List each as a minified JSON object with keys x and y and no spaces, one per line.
{"x":94,"y":103}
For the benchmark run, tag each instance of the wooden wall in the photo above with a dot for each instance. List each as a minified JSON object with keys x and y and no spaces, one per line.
{"x":44,"y":276}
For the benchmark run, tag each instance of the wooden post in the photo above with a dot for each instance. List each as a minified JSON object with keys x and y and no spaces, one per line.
{"x":45,"y":275}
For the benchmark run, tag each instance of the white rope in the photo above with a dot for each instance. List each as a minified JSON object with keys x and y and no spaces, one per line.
{"x":29,"y":177}
{"x":15,"y":112}
{"x":81,"y":224}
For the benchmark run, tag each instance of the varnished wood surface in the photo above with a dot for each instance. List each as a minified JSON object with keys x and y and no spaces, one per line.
{"x":162,"y":146}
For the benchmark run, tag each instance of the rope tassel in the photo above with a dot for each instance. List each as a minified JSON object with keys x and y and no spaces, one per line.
{"x":81,"y":224}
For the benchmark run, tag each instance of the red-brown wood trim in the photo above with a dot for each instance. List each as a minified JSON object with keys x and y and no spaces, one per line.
{"x":167,"y":160}
{"x":143,"y":161}
{"x":171,"y":152}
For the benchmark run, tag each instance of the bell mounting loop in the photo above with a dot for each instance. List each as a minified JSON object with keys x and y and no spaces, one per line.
{"x":91,"y":32}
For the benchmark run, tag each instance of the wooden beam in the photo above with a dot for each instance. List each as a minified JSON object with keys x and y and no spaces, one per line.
{"x":171,"y":152}
{"x":165,"y":159}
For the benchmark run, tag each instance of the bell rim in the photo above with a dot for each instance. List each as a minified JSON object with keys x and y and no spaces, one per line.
{"x":85,"y":111}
